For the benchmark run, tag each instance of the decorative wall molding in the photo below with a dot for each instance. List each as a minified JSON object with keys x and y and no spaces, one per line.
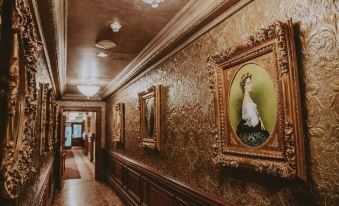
{"x":139,"y":185}
{"x":187,"y":25}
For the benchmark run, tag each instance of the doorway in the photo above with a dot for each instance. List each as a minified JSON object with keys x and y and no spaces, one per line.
{"x":80,"y":143}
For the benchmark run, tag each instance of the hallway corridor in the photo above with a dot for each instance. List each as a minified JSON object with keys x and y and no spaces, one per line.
{"x":86,"y":190}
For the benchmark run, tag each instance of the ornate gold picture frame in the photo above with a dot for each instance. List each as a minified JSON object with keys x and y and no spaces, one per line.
{"x":19,"y":59}
{"x":41,"y":122}
{"x":257,"y":99}
{"x":49,"y":129}
{"x":119,"y":123}
{"x":149,"y":105}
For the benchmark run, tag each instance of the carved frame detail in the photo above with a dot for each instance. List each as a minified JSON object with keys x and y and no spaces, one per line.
{"x":119,"y":129}
{"x":41,"y":124}
{"x":286,"y":158}
{"x":49,"y":120}
{"x":18,"y":127}
{"x":150,"y":142}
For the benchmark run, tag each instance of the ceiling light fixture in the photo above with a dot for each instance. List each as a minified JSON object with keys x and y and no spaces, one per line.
{"x":154,"y":3}
{"x":105,"y":44}
{"x":102,"y":54}
{"x":115,"y":26}
{"x":88,"y":90}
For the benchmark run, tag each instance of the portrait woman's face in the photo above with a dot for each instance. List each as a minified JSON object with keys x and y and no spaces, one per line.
{"x":248,"y":85}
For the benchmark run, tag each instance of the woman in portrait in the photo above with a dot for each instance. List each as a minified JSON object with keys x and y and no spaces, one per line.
{"x":149,"y":117}
{"x":251,"y":129}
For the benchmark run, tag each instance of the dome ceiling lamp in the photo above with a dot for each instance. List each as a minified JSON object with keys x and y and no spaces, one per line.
{"x":153,"y":3}
{"x":105,"y":44}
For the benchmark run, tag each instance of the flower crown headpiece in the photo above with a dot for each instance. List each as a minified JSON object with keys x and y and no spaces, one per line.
{"x":243,"y":80}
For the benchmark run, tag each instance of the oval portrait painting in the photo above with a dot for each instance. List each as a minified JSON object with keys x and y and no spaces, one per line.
{"x":149,"y":117}
{"x":253,"y":105}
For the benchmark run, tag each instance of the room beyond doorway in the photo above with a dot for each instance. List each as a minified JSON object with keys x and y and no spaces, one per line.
{"x":78,"y":143}
{"x":80,"y":140}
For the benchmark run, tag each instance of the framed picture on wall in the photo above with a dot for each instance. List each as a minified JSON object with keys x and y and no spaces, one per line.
{"x":118,"y":123}
{"x":258,"y":109}
{"x":149,"y":105}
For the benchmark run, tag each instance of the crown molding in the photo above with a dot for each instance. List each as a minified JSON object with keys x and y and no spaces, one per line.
{"x":54,"y":51}
{"x":195,"y":19}
{"x":61,"y":17}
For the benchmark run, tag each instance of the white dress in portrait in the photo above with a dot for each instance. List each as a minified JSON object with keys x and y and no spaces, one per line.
{"x":251,"y":129}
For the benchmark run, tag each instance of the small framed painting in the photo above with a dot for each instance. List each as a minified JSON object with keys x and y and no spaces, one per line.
{"x":258,"y":109}
{"x":119,"y":123}
{"x":149,"y":105}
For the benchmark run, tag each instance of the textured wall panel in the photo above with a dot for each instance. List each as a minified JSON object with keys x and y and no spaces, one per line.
{"x":188,"y":120}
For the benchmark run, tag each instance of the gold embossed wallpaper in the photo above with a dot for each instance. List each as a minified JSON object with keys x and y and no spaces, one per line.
{"x":188,"y":115}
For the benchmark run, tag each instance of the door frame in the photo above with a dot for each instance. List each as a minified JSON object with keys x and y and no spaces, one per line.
{"x":98,"y":135}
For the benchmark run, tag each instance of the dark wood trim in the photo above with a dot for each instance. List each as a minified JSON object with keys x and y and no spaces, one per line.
{"x":138,"y":184}
{"x":44,"y":194}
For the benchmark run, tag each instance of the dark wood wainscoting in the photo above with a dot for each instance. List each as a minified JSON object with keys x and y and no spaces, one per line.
{"x":138,"y":185}
{"x":44,"y":195}
{"x":78,"y":142}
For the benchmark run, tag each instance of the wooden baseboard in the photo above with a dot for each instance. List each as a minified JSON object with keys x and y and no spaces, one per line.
{"x":139,"y":185}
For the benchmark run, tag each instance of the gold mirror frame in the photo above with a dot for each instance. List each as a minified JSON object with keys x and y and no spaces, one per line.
{"x":147,"y":142}
{"x":19,"y":99}
{"x":285,"y":155}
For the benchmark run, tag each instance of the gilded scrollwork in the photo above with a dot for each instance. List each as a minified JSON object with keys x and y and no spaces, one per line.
{"x":272,"y":39}
{"x":18,"y":164}
{"x":50,"y":103}
{"x":149,"y":106}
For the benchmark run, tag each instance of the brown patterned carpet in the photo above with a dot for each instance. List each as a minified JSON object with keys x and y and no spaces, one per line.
{"x":71,"y":169}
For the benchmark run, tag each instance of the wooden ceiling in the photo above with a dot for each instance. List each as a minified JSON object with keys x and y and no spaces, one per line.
{"x":88,"y":22}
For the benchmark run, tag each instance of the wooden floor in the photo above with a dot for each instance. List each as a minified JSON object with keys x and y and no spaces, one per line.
{"x":85,"y":191}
